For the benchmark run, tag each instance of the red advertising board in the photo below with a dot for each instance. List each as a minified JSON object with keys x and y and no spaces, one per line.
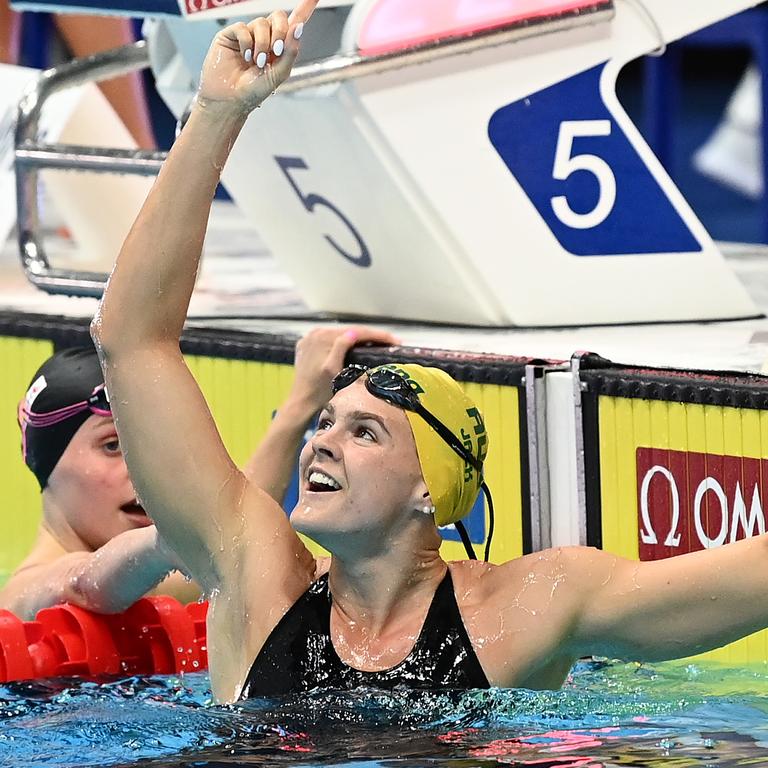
{"x":690,"y":501}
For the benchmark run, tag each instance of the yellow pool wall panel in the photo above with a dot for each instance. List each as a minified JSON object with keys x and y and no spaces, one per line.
{"x":626,"y":424}
{"x":242,"y":396}
{"x":19,"y":359}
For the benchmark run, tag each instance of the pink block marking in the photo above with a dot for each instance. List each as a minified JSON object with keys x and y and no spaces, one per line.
{"x":396,"y":24}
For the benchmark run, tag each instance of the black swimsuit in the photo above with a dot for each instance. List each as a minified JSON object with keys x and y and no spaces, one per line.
{"x":299,"y":655}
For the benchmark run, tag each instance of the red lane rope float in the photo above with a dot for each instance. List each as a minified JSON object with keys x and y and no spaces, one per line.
{"x":155,"y":636}
{"x":392,"y":25}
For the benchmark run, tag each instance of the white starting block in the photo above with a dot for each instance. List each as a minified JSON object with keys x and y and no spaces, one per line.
{"x":500,"y":185}
{"x":503,"y":186}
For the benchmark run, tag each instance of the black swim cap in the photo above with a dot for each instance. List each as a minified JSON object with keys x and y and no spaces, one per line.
{"x":67,"y":377}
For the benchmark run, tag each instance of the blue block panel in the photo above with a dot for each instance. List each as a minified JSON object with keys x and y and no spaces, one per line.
{"x":566,"y":150}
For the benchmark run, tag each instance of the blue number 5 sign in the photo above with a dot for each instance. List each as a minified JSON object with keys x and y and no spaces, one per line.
{"x":584,"y":176}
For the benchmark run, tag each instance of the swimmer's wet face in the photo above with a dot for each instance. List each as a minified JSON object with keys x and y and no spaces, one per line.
{"x":448,"y":431}
{"x":360,"y":474}
{"x":89,"y":490}
{"x":70,"y":444}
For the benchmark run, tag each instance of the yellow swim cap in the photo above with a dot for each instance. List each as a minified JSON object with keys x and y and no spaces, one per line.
{"x":453,"y":484}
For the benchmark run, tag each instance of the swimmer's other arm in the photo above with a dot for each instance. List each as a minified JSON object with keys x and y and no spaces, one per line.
{"x":108,"y":580}
{"x":666,"y":609}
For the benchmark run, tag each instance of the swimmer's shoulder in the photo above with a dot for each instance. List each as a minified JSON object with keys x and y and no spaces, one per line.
{"x":46,"y":550}
{"x":519,"y":614}
{"x":478,"y":582}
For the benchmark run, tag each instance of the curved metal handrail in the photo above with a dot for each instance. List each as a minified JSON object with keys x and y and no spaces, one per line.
{"x":32,"y":156}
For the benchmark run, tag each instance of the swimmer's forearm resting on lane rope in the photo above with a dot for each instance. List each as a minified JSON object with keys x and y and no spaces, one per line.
{"x":108,"y":580}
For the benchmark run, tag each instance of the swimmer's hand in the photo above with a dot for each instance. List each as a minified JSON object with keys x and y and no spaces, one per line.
{"x":321,"y":354}
{"x":247,"y":62}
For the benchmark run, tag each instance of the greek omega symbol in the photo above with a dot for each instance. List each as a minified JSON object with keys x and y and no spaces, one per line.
{"x":692,"y":501}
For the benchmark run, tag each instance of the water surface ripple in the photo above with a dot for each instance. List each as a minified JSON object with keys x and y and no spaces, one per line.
{"x":669,"y":716}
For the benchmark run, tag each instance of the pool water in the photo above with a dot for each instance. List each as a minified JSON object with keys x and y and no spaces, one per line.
{"x":606,"y":715}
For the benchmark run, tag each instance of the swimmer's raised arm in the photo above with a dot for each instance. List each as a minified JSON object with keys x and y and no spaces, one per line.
{"x":670,"y":608}
{"x":178,"y":463}
{"x":319,"y":357}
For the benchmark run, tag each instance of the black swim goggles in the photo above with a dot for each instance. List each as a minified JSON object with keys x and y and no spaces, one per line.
{"x":392,"y":386}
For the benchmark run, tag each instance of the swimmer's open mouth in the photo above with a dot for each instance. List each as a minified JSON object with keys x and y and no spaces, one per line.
{"x":320,"y":482}
{"x":133,"y":508}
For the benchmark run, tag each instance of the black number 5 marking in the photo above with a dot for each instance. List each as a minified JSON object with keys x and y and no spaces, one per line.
{"x":312,"y":201}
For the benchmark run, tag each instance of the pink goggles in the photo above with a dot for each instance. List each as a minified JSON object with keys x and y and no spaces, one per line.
{"x":97,"y":403}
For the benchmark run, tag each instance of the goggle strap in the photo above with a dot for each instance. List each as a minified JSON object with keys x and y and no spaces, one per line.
{"x":449,"y":438}
{"x":491,"y":520}
{"x":465,"y":540}
{"x":53,"y":417}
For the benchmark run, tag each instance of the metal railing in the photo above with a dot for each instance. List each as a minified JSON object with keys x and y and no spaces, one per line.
{"x":33,"y":156}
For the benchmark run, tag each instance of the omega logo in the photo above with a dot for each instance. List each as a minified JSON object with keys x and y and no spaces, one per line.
{"x":692,"y":501}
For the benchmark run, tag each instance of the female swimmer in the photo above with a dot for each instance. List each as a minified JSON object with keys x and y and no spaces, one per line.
{"x":384,"y":609}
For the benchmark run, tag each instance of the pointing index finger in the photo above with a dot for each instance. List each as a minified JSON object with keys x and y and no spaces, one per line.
{"x":303,"y":12}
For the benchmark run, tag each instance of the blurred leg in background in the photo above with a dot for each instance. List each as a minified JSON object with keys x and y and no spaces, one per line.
{"x":85,"y":35}
{"x":10,"y":34}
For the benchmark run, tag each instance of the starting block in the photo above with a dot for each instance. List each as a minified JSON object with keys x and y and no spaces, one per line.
{"x":500,"y":185}
{"x":467,"y":162}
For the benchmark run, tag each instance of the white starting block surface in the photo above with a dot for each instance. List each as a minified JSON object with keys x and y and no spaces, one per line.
{"x":98,"y":210}
{"x":501,"y":187}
